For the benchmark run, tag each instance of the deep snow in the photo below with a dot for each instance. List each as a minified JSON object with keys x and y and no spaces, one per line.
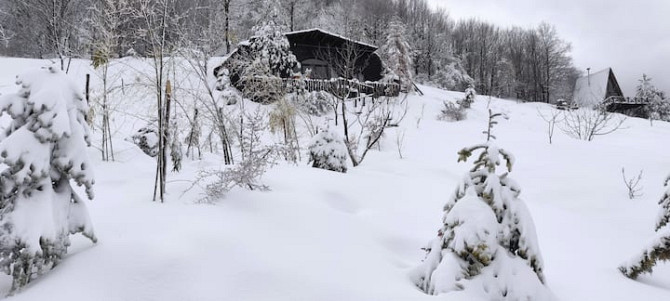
{"x":321,"y":235}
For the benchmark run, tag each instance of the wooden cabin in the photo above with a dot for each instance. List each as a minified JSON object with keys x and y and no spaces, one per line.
{"x":602,"y":88}
{"x":325,"y":54}
{"x":330,"y":63}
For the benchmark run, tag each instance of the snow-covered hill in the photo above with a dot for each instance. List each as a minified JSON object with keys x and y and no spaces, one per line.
{"x":321,"y":235}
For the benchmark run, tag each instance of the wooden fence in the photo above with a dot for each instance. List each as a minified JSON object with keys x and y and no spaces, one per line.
{"x":338,"y":86}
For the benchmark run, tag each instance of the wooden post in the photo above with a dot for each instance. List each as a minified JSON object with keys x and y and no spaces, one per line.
{"x":165,"y":134}
{"x":88,"y":89}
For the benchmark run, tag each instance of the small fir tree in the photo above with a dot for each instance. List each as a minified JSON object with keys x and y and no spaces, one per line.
{"x":657,"y":108}
{"x":488,"y":242}
{"x":658,"y":249}
{"x":328,"y":151}
{"x":470,"y":94}
{"x":43,"y":151}
{"x":397,"y":55}
{"x":646,"y":91}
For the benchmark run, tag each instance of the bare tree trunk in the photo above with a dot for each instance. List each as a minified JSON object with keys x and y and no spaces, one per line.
{"x":226,"y":8}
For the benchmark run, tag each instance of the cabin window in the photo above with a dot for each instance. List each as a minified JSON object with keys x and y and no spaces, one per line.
{"x":319,"y":69}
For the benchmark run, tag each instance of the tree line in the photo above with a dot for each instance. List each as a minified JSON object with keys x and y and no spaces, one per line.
{"x":531,"y":64}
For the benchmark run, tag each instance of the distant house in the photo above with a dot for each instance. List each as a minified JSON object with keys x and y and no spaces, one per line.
{"x":602,"y":88}
{"x":325,"y":56}
{"x":594,"y":89}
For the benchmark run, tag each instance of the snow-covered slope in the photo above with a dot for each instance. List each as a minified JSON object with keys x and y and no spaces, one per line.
{"x":321,"y":235}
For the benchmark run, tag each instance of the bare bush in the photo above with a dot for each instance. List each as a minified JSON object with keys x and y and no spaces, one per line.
{"x":586,"y":124}
{"x":632,"y":184}
{"x":452,"y":112}
{"x":371,"y":122}
{"x":246,"y":174}
{"x":256,"y":160}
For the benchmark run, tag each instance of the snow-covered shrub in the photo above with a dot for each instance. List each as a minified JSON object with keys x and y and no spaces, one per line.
{"x":146,"y":139}
{"x":317,"y":103}
{"x":470,"y":95}
{"x":451,"y":76}
{"x":487,"y":244}
{"x":228,"y":95}
{"x":658,"y":109}
{"x":452,"y":112}
{"x":327,"y":151}
{"x":43,"y":151}
{"x":176,"y":152}
{"x":658,"y":249}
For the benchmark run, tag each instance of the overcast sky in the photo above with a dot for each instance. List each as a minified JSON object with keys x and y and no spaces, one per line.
{"x":631,"y":36}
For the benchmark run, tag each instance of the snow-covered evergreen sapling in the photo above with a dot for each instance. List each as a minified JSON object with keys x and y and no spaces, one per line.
{"x":470,"y":95}
{"x":487,"y":245}
{"x":44,"y":149}
{"x":659,"y":248}
{"x":328,"y":151}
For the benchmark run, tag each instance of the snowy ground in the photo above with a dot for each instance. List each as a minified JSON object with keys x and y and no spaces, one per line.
{"x":321,"y":235}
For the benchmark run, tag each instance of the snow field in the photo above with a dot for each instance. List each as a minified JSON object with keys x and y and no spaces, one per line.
{"x":321,"y":235}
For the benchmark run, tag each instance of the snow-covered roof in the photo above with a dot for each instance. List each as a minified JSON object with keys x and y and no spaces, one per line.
{"x":330,"y":34}
{"x":591,"y":90}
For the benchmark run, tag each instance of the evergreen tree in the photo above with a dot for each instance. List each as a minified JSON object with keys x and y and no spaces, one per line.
{"x":657,"y":108}
{"x":659,"y":248}
{"x":328,"y":151}
{"x":44,"y":149}
{"x":269,"y":46}
{"x":396,"y":54}
{"x":265,"y":58}
{"x":470,"y":95}
{"x":646,"y":91}
{"x":488,"y":242}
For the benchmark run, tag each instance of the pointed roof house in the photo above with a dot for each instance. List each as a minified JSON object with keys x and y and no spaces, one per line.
{"x":594,"y":89}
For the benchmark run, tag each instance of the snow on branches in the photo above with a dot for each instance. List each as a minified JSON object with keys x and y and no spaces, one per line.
{"x":658,"y":249}
{"x":397,"y":55}
{"x":44,"y":149}
{"x":328,"y":151}
{"x":487,"y":244}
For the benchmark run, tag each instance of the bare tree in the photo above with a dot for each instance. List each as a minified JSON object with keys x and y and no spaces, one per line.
{"x":106,"y":18}
{"x":156,"y":19}
{"x":57,"y":33}
{"x":5,"y":36}
{"x":292,"y":8}
{"x":202,"y":42}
